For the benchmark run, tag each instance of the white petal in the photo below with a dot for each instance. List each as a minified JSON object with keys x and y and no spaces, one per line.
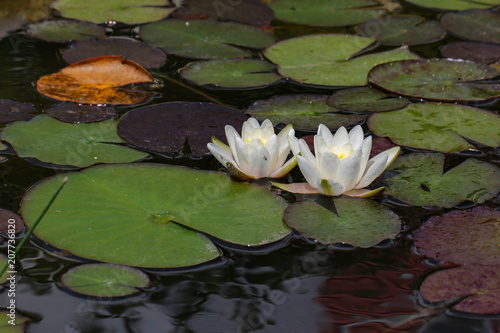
{"x":329,"y":187}
{"x":294,"y":144}
{"x":221,"y":155}
{"x":240,"y":155}
{"x":284,"y":151}
{"x":267,"y":128}
{"x":328,"y":164}
{"x":286,"y":168}
{"x":345,"y":151}
{"x":321,"y":146}
{"x":375,"y":169}
{"x":272,"y":146}
{"x":349,"y":170}
{"x":326,"y":134}
{"x":341,"y":137}
{"x":391,"y":155}
{"x":261,"y":164}
{"x":366,"y":148}
{"x":356,"y":136}
{"x":231,"y":136}
{"x":305,"y":152}
{"x":284,"y":133}
{"x":248,"y":129}
{"x":309,"y":170}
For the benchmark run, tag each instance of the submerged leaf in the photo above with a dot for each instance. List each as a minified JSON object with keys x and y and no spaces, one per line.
{"x":80,"y":113}
{"x":483,"y":53}
{"x":13,"y":111}
{"x":65,"y":31}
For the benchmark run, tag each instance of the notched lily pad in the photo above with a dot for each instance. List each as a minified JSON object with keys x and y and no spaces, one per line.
{"x":62,"y":31}
{"x":365,"y":99}
{"x":305,"y":112}
{"x":418,"y":179}
{"x":231,"y":73}
{"x":14,"y":111}
{"x":483,"y":53}
{"x":144,"y":54}
{"x":360,"y":222}
{"x":454,"y":4}
{"x":478,"y":286}
{"x":435,"y":126}
{"x":69,"y":112}
{"x":81,"y":145}
{"x":105,"y":280}
{"x":165,"y":127}
{"x":475,"y":24}
{"x":204,"y":39}
{"x":10,"y":221}
{"x":402,"y":30}
{"x":437,"y":79}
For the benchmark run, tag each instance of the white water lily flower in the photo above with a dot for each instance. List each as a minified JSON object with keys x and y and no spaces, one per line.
{"x":258,"y":153}
{"x":341,"y":164}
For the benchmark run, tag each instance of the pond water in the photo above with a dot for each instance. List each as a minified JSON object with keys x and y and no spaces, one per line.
{"x":301,"y":287}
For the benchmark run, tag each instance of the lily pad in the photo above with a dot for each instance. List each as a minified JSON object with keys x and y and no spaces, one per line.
{"x":326,"y":13}
{"x":231,"y":73}
{"x":435,"y":126}
{"x":205,"y":39}
{"x":360,"y":222}
{"x":477,"y":286}
{"x":402,"y":30}
{"x":474,"y":24}
{"x":419,"y":180}
{"x":19,"y":321}
{"x":454,"y":4}
{"x":81,"y":145}
{"x":305,"y":112}
{"x":365,"y":99}
{"x":13,"y":111}
{"x":437,"y":79}
{"x":483,"y":53}
{"x":165,"y":127}
{"x":144,"y":54}
{"x":69,"y":112}
{"x":153,"y":215}
{"x":125,"y":11}
{"x":105,"y":280}
{"x":62,"y":31}
{"x":327,"y":59}
{"x":9,"y":220}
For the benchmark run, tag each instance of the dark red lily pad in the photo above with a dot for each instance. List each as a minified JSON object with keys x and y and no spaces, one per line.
{"x":165,"y":127}
{"x":62,"y":31}
{"x":70,"y":112}
{"x":144,"y":54}
{"x":478,"y":285}
{"x":462,"y":237}
{"x":14,"y":111}
{"x":365,"y":99}
{"x":483,"y":53}
{"x":7,"y":216}
{"x":474,"y":24}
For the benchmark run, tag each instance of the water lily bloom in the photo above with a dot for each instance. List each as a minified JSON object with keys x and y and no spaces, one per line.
{"x":257,"y":153}
{"x":341,"y":164}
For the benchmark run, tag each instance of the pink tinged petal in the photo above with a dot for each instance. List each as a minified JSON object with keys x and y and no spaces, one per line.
{"x":363,"y":192}
{"x":231,"y":136}
{"x":329,"y":187}
{"x":374,"y":169}
{"x":328,"y":164}
{"x":341,"y":137}
{"x":286,"y":168}
{"x":240,"y":154}
{"x":326,"y":134}
{"x":272,"y":146}
{"x":309,"y":170}
{"x":305,"y":152}
{"x":260,"y":162}
{"x":356,"y":136}
{"x":222,"y":155}
{"x":303,"y":188}
{"x":267,"y":128}
{"x":349,"y":171}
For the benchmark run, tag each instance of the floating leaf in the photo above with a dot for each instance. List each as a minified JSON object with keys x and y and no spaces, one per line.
{"x":97,"y":80}
{"x":402,"y":30}
{"x":305,"y":112}
{"x":65,"y":31}
{"x":105,"y":280}
{"x":454,"y":4}
{"x":149,"y":215}
{"x":231,"y":73}
{"x":325,"y":13}
{"x":80,"y":145}
{"x":419,"y":180}
{"x":365,"y":99}
{"x":131,"y":49}
{"x":326,"y":59}
{"x":13,"y":111}
{"x":10,"y":221}
{"x":165,"y":127}
{"x":435,"y":126}
{"x":478,"y":285}
{"x":360,"y":222}
{"x":483,"y":53}
{"x":475,"y":24}
{"x":7,"y":318}
{"x":437,"y":79}
{"x":205,"y":39}
{"x":125,"y":11}
{"x":80,"y":113}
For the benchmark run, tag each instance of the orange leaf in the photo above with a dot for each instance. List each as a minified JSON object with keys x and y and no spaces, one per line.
{"x":97,"y":80}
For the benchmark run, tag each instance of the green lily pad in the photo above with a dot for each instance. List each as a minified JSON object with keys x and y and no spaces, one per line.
{"x":153,"y":215}
{"x":477,"y":286}
{"x":461,"y":237}
{"x":454,"y":4}
{"x":419,"y":180}
{"x":231,"y":73}
{"x":360,"y":222}
{"x":326,"y":59}
{"x":81,"y":145}
{"x":474,"y":24}
{"x":125,"y":11}
{"x":326,"y":13}
{"x":437,"y":79}
{"x":205,"y":39}
{"x":435,"y":126}
{"x":65,"y":31}
{"x":402,"y":30}
{"x":365,"y":99}
{"x":305,"y":112}
{"x":105,"y":280}
{"x":12,"y":322}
